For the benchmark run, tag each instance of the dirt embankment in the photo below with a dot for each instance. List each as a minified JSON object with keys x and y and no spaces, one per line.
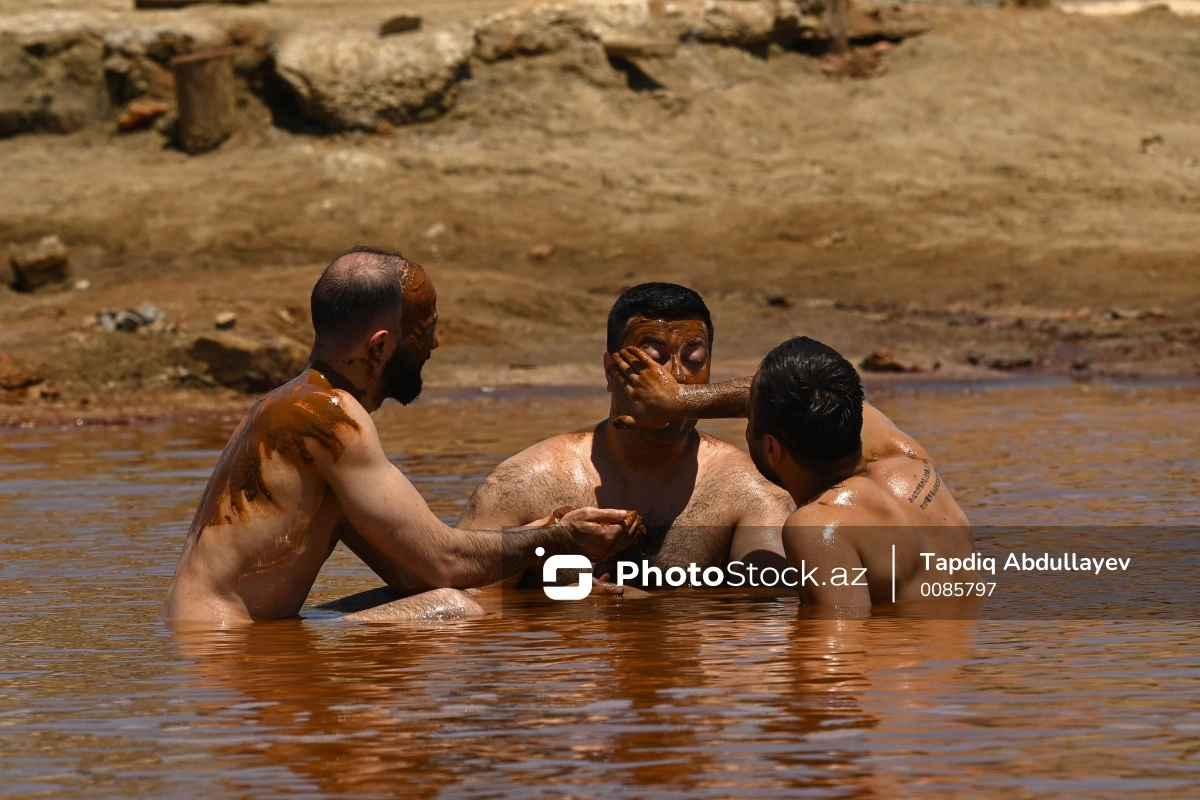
{"x":1011,"y":191}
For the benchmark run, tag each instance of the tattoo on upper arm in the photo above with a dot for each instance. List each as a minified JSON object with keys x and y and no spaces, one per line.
{"x":937,"y":484}
{"x":912,"y":498}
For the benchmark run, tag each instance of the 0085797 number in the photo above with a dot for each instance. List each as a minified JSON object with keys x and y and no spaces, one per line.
{"x":957,"y":589}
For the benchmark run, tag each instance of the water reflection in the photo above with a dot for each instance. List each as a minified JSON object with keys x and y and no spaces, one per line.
{"x":629,"y":702}
{"x":688,"y":696}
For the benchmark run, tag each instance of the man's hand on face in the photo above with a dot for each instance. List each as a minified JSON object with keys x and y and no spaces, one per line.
{"x":654,"y":393}
{"x":599,"y":533}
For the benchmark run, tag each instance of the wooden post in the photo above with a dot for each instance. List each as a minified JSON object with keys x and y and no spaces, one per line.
{"x":204,"y":93}
{"x":839,"y":11}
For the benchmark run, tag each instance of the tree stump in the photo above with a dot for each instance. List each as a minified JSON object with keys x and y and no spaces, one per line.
{"x":204,"y":94}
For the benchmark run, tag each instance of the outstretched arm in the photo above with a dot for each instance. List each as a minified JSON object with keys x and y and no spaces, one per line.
{"x":391,"y":517}
{"x":659,"y":400}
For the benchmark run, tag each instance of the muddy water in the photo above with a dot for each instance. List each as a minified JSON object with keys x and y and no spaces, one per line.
{"x":691,"y":696}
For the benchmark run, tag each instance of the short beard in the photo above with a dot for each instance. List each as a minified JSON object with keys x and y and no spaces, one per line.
{"x":401,"y":378}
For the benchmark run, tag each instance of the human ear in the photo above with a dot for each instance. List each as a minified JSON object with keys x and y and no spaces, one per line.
{"x":609,"y":373}
{"x":773,"y":450}
{"x":377,"y":344}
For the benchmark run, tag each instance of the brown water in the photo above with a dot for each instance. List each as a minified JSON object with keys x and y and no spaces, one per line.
{"x":689,"y":695}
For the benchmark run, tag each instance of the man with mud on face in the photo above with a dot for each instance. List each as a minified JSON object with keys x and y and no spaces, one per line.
{"x":702,"y":500}
{"x":305,"y":468}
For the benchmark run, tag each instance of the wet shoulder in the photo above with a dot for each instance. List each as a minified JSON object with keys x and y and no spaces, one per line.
{"x":304,"y":412}
{"x":883,"y":440}
{"x":561,"y":455}
{"x":722,"y":461}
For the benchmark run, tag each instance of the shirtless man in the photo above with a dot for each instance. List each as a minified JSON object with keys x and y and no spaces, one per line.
{"x":701,"y":498}
{"x":305,"y":467}
{"x":848,"y":468}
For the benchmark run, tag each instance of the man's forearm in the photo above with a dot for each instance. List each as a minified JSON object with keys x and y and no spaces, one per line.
{"x":728,"y":400}
{"x":478,"y":558}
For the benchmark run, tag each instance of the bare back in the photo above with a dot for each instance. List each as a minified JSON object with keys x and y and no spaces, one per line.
{"x":699,"y":512}
{"x":898,"y":498}
{"x":266,"y":523}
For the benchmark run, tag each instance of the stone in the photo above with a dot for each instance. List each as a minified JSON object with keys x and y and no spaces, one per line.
{"x":44,"y":264}
{"x":744,"y":23}
{"x":51,"y":82}
{"x":554,"y":27}
{"x":405,"y":23}
{"x":884,"y":361}
{"x":349,"y":82}
{"x":246,"y":364}
{"x":225,"y":321}
{"x":14,"y":378}
{"x":150,"y":313}
{"x":541,"y":252}
{"x":141,"y":114}
{"x":1004,"y":362}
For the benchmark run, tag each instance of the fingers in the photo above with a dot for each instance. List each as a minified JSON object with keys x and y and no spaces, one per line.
{"x":603,"y":516}
{"x":633,"y":353}
{"x":622,"y":364}
{"x":624,"y":423}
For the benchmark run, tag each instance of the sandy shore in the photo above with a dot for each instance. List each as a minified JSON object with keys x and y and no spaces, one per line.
{"x":1012,"y":193}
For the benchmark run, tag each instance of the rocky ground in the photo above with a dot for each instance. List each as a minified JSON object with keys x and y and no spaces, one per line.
{"x":989,"y":192}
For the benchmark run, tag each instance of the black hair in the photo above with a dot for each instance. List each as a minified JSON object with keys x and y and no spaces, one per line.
{"x":666,"y":301}
{"x":811,"y":399}
{"x":358,"y":287}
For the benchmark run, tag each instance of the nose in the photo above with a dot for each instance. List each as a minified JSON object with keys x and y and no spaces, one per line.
{"x":677,"y":368}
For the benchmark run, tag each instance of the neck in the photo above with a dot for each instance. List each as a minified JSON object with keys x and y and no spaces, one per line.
{"x":809,"y":485}
{"x":346,"y":374}
{"x":629,"y":452}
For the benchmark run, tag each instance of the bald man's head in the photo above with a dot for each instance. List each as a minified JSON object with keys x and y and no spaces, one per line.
{"x":361,"y":289}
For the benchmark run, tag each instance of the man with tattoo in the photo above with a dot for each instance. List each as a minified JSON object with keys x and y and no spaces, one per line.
{"x":848,"y":468}
{"x":701,"y":498}
{"x":305,"y":467}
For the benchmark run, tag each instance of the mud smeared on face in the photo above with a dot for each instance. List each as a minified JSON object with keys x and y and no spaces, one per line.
{"x":401,"y":377}
{"x":682,"y":347}
{"x":285,"y":423}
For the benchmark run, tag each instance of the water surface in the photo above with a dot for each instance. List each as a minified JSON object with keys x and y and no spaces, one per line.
{"x":691,"y":695}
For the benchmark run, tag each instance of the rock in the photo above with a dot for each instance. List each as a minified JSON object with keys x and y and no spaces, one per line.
{"x":247,"y":364}
{"x":346,"y":82}
{"x":150,"y":313}
{"x":1027,"y":4}
{"x":829,"y":239}
{"x":541,"y":252}
{"x":14,"y":378}
{"x":554,"y":27}
{"x":148,"y":317}
{"x":123,"y":321}
{"x":1150,"y":144}
{"x":82,"y":285}
{"x":855,"y":64}
{"x":225,"y":321}
{"x":744,"y":23}
{"x":883,"y":361}
{"x":141,"y":114}
{"x":51,"y":82}
{"x":405,"y":23}
{"x":1003,"y":361}
{"x":44,"y":264}
{"x":780,"y":301}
